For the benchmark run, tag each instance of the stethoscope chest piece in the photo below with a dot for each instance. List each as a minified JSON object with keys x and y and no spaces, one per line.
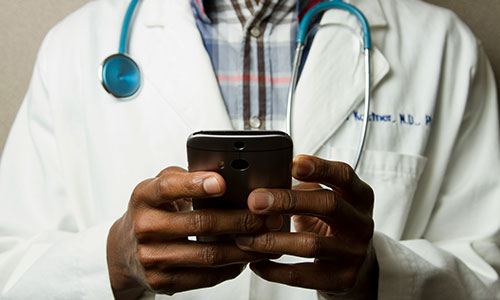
{"x":120,"y":76}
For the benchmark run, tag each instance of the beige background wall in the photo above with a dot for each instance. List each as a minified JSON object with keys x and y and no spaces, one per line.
{"x":23,"y":24}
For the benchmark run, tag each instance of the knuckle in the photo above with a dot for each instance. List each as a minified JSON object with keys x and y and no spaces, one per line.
{"x":293,"y":277}
{"x":138,"y":194}
{"x":190,"y":190}
{"x":229,"y":273}
{"x":142,"y":227}
{"x":346,"y":174}
{"x":359,"y":255}
{"x":285,"y":201}
{"x":173,"y":169}
{"x":322,"y":169}
{"x":212,"y":280}
{"x":155,"y":284}
{"x":193,"y":185}
{"x":164,"y":186}
{"x":349,"y":278}
{"x":210,"y":255}
{"x":267,"y":241}
{"x":251,"y":223}
{"x":367,"y":228}
{"x":370,"y":228}
{"x":234,"y":271}
{"x":329,"y":202}
{"x":201,"y":223}
{"x":160,"y":283}
{"x":369,"y":192}
{"x":145,"y":258}
{"x":165,"y":171}
{"x":312,"y":244}
{"x":288,"y":202}
{"x":370,"y":195}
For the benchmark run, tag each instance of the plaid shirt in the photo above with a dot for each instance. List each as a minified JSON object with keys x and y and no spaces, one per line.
{"x":251,"y":47}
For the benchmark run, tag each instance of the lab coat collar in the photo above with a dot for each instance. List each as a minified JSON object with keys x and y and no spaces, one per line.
{"x":181,"y":75}
{"x":153,"y":12}
{"x":332,"y":81}
{"x":372,"y":10}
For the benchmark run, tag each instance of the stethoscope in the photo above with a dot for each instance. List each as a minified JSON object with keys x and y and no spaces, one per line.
{"x":121,"y":76}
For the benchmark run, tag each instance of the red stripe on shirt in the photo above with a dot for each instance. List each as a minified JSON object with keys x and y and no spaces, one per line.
{"x":253,"y":78}
{"x":201,"y":6}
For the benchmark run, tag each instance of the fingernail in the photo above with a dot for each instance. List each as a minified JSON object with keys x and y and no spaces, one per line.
{"x":211,"y":186}
{"x":262,"y":200}
{"x":304,"y":168}
{"x":273,"y":222}
{"x":245,"y":240}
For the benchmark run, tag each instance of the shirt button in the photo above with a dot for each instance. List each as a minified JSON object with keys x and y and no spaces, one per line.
{"x":255,"y":31}
{"x":255,"y":122}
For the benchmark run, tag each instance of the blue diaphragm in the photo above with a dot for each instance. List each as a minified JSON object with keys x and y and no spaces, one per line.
{"x":121,"y":76}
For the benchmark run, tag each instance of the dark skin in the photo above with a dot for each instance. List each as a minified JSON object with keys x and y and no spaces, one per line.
{"x":334,"y":227}
{"x":148,"y":248}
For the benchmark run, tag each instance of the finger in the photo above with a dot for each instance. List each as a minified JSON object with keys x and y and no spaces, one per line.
{"x":311,"y":224}
{"x":185,"y":279}
{"x":304,"y":245}
{"x":175,"y":183}
{"x":171,"y":170}
{"x":318,"y":276}
{"x":327,"y":205}
{"x":193,"y":254}
{"x":280,"y":201}
{"x":337,"y":175}
{"x":158,"y":225}
{"x":307,"y":186}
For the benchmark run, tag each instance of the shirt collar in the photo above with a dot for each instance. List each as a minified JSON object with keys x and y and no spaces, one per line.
{"x":202,"y":8}
{"x":152,"y":14}
{"x":200,"y":11}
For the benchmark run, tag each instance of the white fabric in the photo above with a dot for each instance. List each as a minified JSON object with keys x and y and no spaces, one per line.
{"x":75,"y":153}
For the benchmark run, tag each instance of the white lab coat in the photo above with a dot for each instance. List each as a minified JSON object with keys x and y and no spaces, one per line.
{"x":432,"y":155}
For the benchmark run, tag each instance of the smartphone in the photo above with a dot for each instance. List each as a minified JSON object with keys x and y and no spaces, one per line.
{"x":247,"y":160}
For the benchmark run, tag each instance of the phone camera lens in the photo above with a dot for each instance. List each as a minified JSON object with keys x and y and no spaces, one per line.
{"x":240,"y":164}
{"x":239,"y":145}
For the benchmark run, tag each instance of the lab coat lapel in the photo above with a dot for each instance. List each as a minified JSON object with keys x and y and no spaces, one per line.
{"x":332,"y":81}
{"x":181,"y":74}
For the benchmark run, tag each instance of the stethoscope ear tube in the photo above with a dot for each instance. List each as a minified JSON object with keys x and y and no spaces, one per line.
{"x":293,"y":86}
{"x":364,"y":131}
{"x":334,"y":4}
{"x":301,"y":37}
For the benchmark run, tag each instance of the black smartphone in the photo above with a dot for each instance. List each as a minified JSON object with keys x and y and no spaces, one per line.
{"x":247,"y":160}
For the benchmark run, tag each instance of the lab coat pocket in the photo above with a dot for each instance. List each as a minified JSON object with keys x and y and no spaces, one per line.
{"x":394,"y":178}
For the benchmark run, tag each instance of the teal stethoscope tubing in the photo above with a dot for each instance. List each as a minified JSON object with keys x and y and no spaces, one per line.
{"x":126,"y":26}
{"x":301,"y":38}
{"x":121,"y":76}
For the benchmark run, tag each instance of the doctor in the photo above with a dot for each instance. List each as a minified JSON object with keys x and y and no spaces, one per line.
{"x":70,"y":229}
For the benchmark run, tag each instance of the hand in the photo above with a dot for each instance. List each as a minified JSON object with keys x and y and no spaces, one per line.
{"x":333,"y":226}
{"x":148,"y":248}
